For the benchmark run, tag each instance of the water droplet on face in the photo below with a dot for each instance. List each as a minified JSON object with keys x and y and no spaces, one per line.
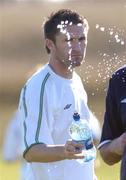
{"x":63,"y":31}
{"x":66,"y":22}
{"x":59,"y":26}
{"x":70,"y":67}
{"x":70,"y":23}
{"x":62,"y":22}
{"x":79,"y":24}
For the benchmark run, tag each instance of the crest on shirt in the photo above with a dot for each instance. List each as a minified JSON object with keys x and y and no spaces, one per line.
{"x":124,"y":100}
{"x":67,"y":106}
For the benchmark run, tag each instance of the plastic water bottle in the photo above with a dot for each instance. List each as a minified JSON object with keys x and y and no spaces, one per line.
{"x":81,"y":133}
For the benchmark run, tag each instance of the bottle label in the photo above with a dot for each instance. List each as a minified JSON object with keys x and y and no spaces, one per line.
{"x":87,"y":144}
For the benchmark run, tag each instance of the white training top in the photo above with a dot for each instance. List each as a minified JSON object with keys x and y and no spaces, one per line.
{"x":12,"y":139}
{"x":47,"y":104}
{"x":12,"y":146}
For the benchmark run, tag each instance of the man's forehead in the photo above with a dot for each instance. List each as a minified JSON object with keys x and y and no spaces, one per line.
{"x":73,"y":30}
{"x":78,"y":27}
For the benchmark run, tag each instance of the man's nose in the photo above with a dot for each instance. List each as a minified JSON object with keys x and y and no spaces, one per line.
{"x":76,"y":45}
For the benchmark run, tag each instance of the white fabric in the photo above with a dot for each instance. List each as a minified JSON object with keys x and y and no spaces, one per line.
{"x":103,"y":143}
{"x":12,"y":145}
{"x":62,"y":97}
{"x":12,"y":140}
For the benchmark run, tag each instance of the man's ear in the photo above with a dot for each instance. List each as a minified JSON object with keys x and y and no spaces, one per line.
{"x":49,"y":44}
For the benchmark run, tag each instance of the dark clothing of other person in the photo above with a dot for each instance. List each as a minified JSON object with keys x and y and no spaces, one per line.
{"x":115,"y":115}
{"x":123,"y":166}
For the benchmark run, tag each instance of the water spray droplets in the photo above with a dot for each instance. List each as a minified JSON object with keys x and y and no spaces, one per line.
{"x":108,"y":65}
{"x":122,"y":42}
{"x":97,"y":26}
{"x":111,"y":32}
{"x":102,"y":28}
{"x":116,"y":34}
{"x":108,"y":61}
{"x":87,"y":73}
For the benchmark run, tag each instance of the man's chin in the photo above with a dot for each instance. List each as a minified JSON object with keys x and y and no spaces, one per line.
{"x":76,"y":64}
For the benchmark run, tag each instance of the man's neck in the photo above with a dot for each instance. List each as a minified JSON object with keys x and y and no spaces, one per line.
{"x":60,"y":69}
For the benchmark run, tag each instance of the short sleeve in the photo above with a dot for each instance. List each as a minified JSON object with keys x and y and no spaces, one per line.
{"x":111,"y":127}
{"x":32,"y":108}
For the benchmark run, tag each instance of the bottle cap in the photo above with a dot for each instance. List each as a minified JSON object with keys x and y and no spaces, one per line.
{"x":76,"y":116}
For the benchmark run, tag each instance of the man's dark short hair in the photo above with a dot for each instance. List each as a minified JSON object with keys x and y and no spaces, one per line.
{"x":55,"y":19}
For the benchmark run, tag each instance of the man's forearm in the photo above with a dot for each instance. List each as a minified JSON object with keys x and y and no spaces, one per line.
{"x":51,"y":153}
{"x":45,"y":153}
{"x":109,"y":153}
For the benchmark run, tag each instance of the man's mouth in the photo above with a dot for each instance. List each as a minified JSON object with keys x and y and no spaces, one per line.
{"x":76,"y":55}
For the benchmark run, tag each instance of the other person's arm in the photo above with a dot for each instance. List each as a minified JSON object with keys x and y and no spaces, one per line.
{"x":112,"y":152}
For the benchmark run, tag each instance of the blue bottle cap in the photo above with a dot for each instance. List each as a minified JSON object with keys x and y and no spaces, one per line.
{"x":76,"y":116}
